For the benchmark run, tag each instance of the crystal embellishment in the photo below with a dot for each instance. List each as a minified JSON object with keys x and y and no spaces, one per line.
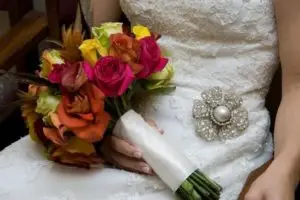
{"x":220,"y":115}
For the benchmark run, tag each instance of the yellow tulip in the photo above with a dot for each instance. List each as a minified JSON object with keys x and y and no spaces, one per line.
{"x":141,"y":32}
{"x":91,"y":50}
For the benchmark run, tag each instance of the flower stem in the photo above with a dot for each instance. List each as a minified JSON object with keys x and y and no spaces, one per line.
{"x":199,"y":187}
{"x":205,"y":187}
{"x":117,"y":107}
{"x":109,"y":104}
{"x":125,"y":105}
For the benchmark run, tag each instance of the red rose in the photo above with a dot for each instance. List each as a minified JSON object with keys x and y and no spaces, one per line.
{"x":111,"y":75}
{"x":150,"y":57}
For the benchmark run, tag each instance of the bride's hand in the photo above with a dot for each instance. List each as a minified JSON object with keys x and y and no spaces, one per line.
{"x":276,"y":183}
{"x":124,"y":155}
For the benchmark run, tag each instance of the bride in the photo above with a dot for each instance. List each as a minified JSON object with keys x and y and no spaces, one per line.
{"x":228,"y":44}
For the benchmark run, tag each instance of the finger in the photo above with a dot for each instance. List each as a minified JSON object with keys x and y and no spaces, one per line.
{"x":154,"y":125}
{"x":130,"y":164}
{"x":279,"y":195}
{"x":254,"y":196}
{"x":121,"y":146}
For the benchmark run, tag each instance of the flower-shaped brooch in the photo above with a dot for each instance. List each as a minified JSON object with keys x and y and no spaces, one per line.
{"x":220,"y":115}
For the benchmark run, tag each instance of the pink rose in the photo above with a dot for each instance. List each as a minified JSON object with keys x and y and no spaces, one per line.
{"x":150,"y":57}
{"x":56,"y":74}
{"x":111,"y":75}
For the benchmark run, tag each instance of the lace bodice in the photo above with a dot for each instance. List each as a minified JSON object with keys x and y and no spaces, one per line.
{"x":226,"y":43}
{"x":206,"y":32}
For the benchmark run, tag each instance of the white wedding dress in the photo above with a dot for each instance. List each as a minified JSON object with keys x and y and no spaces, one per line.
{"x":226,"y":43}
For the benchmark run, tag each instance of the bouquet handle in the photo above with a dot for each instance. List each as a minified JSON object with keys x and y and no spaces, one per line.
{"x":169,"y":164}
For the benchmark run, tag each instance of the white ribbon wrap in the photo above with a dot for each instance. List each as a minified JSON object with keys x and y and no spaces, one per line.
{"x":168,"y":163}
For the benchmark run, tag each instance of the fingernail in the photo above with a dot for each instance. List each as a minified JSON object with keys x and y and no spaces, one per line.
{"x":146,"y":169}
{"x":138,"y":154}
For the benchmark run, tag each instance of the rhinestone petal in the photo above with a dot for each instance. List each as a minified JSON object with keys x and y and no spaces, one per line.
{"x":228,"y":132}
{"x":207,"y":130}
{"x":240,"y":119}
{"x":213,"y":97}
{"x":232,"y":100}
{"x":200,"y":110}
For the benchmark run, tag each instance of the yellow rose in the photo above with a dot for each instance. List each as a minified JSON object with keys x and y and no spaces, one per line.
{"x":141,"y":32}
{"x":166,"y":74}
{"x":91,"y":49}
{"x":161,"y":80}
{"x":103,"y":32}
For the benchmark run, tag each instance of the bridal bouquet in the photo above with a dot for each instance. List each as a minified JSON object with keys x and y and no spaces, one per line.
{"x":85,"y":90}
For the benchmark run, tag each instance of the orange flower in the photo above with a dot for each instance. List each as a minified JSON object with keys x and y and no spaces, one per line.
{"x":57,"y":133}
{"x":127,"y":49}
{"x":76,"y":152}
{"x":84,"y":113}
{"x":75,"y":159}
{"x":35,"y":90}
{"x":69,"y":150}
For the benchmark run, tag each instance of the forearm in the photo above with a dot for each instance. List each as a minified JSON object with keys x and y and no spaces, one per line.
{"x":105,"y":11}
{"x":287,"y":135}
{"x":287,"y":129}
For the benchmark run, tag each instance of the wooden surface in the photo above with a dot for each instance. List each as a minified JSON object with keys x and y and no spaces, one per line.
{"x":3,"y":5}
{"x":22,"y":37}
{"x":53,"y":18}
{"x":17,"y":9}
